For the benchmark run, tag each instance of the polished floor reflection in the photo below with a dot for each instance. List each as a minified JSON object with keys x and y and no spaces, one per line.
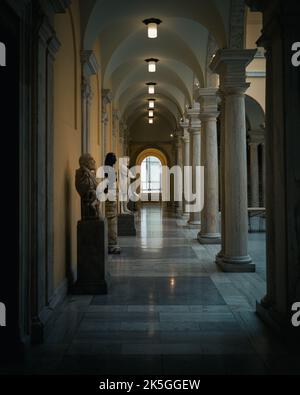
{"x":169,"y":311}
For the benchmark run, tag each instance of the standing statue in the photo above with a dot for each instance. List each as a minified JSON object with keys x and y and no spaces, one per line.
{"x":111,"y":208}
{"x":124,"y":179}
{"x":86,"y":185}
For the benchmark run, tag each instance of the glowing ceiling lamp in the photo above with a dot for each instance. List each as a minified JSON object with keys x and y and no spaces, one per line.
{"x":152,"y":64}
{"x":151,"y":121}
{"x":152,"y":24}
{"x":151,"y":88}
{"x":151,"y":113}
{"x":151,"y":103}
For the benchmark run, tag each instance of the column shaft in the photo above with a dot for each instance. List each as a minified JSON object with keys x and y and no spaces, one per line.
{"x":210,"y":215}
{"x":179,"y":206}
{"x":210,"y":233}
{"x":195,"y":156}
{"x":236,"y":201}
{"x":186,"y":161}
{"x":231,"y":65}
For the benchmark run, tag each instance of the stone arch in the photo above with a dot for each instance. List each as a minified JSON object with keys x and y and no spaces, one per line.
{"x":157,"y":153}
{"x":254,"y":113}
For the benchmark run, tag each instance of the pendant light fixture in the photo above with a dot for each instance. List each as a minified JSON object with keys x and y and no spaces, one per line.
{"x":152,"y":64}
{"x":152,"y":25}
{"x":151,"y":121}
{"x":151,"y":113}
{"x":151,"y":103}
{"x":151,"y":88}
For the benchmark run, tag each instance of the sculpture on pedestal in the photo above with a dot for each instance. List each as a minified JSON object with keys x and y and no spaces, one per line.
{"x":86,"y":185}
{"x":111,"y":208}
{"x":92,"y":276}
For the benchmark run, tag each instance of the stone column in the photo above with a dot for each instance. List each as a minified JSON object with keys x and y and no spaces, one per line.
{"x":220,"y":255}
{"x":282,"y":144}
{"x":106,"y":100}
{"x":210,"y":233}
{"x":186,"y":160}
{"x":195,"y":154}
{"x":89,"y":67}
{"x":254,"y":174}
{"x":179,"y":162}
{"x":231,"y":66}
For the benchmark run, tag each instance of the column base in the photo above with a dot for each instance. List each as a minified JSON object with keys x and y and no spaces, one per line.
{"x":219,"y":257}
{"x":238,"y":264}
{"x":194,"y":224}
{"x":278,"y":323}
{"x":209,"y":238}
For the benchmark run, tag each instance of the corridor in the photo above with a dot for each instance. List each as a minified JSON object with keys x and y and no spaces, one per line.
{"x":169,"y":311}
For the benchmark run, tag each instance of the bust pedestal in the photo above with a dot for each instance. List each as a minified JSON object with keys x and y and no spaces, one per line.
{"x":92,"y":247}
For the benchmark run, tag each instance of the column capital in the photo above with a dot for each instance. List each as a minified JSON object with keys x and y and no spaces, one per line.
{"x":186,"y":137}
{"x":123,"y":127}
{"x":107,"y":97}
{"x":194,"y":117}
{"x":231,"y":65}
{"x":185,"y":123}
{"x":178,"y":139}
{"x":90,"y":65}
{"x":116,"y":115}
{"x":209,"y":100}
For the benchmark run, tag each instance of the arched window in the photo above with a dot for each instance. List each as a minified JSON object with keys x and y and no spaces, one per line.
{"x":151,"y":171}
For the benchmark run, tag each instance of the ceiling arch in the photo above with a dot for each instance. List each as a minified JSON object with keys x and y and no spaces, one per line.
{"x":254,"y":113}
{"x":166,"y":75}
{"x":162,"y":109}
{"x":161,"y":101}
{"x":212,"y":15}
{"x":138,"y":47}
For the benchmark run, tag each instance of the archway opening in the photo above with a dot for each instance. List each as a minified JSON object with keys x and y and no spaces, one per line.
{"x":151,"y":174}
{"x":151,"y":162}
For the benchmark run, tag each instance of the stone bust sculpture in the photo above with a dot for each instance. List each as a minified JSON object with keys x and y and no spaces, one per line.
{"x":86,"y":185}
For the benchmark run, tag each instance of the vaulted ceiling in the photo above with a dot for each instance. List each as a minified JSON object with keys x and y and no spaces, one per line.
{"x":181,"y":47}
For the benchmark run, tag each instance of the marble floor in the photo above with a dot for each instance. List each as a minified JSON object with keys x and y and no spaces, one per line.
{"x":169,"y":311}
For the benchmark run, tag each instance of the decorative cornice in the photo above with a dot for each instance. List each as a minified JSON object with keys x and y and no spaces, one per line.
{"x":89,"y":63}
